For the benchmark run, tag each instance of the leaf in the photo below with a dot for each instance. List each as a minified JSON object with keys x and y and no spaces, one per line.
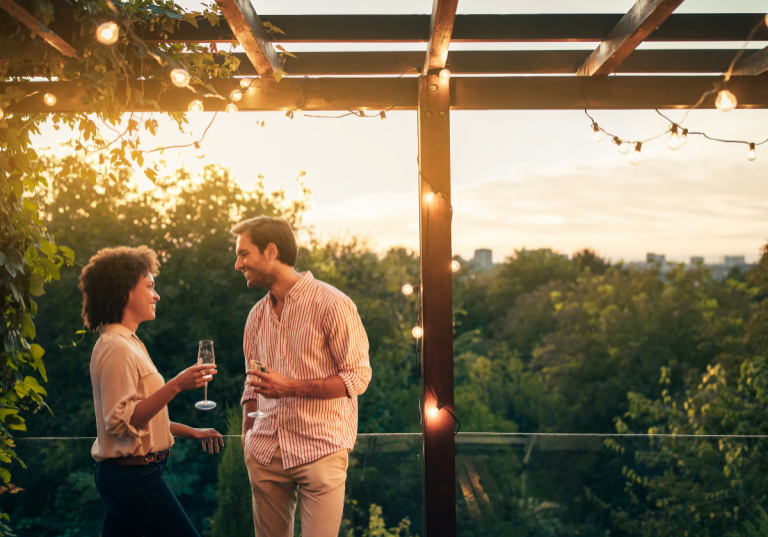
{"x":37,"y":352}
{"x":3,"y":259}
{"x":277,"y":75}
{"x":280,"y":47}
{"x":28,"y":326}
{"x":67,"y":252}
{"x":177,"y":16}
{"x":36,"y":282}
{"x":151,"y":174}
{"x":34,"y":385}
{"x":5,"y":475}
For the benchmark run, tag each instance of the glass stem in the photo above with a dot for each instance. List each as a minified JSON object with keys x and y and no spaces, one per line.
{"x":205,"y":392}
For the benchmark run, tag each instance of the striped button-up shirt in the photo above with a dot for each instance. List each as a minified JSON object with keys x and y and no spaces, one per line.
{"x":319,"y":335}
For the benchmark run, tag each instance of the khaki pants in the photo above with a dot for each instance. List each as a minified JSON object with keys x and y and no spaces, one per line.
{"x":320,"y":483}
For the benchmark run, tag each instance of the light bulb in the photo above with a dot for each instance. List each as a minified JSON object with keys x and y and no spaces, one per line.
{"x":180,"y":78}
{"x":683,"y":137}
{"x":597,"y":135}
{"x":107,"y":33}
{"x":195,"y":106}
{"x":245,"y":82}
{"x":407,"y":289}
{"x":752,"y":155}
{"x":635,"y":157}
{"x":383,"y":116}
{"x":231,"y":109}
{"x":433,"y":412}
{"x":624,"y":148}
{"x":417,"y":332}
{"x":429,"y":196}
{"x":199,"y":151}
{"x":236,"y":95}
{"x":675,"y":142}
{"x":726,"y":101}
{"x":49,"y":99}
{"x":298,"y":114}
{"x":455,"y":266}
{"x":445,"y":75}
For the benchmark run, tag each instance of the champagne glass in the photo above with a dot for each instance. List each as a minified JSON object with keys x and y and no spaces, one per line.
{"x":255,"y":364}
{"x":205,"y":356}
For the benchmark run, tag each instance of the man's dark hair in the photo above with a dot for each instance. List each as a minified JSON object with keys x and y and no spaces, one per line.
{"x":107,"y":280}
{"x":265,"y":229}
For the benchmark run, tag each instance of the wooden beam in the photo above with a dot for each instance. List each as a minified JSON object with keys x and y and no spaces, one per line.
{"x":709,"y":27}
{"x":756,"y":64}
{"x":440,"y":30}
{"x":640,"y":22}
{"x":45,"y":33}
{"x":469,"y":93}
{"x":249,"y":31}
{"x":438,"y":443}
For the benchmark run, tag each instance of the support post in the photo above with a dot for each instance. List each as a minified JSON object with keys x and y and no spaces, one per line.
{"x":439,"y":459}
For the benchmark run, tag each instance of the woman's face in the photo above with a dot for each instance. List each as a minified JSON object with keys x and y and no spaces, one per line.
{"x":142,"y":300}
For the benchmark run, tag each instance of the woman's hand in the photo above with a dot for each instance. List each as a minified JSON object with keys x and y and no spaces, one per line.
{"x":194,"y":377}
{"x":210,"y":438}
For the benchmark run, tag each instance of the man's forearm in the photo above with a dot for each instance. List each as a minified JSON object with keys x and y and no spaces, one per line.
{"x":330,"y":388}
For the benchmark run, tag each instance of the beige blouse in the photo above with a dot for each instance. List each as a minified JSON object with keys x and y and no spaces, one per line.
{"x":122,"y":374}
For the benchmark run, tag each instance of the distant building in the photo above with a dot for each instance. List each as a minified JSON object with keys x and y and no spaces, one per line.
{"x":733,"y":260}
{"x":697,"y":259}
{"x":656,"y":258}
{"x":719,"y":270}
{"x":483,"y":259}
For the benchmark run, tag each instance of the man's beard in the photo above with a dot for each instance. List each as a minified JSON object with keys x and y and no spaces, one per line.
{"x":259,"y":279}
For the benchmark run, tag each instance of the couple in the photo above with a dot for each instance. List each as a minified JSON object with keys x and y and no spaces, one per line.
{"x":314,"y":346}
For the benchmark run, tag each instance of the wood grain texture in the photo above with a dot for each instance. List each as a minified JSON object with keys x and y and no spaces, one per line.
{"x":249,"y":31}
{"x":28,"y":20}
{"x":708,"y":27}
{"x":469,"y":93}
{"x":438,"y":441}
{"x":641,"y":21}
{"x":756,"y":64}
{"x":440,"y":30}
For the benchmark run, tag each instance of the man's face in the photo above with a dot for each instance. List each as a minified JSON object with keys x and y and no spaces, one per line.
{"x":258,"y":269}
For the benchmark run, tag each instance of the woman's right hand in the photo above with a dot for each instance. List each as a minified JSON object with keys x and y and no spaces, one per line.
{"x":194,"y":377}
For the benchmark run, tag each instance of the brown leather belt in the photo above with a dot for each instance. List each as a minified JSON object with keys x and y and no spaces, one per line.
{"x":142,"y":461}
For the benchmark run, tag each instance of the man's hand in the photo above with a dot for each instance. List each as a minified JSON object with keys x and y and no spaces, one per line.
{"x":272,"y":384}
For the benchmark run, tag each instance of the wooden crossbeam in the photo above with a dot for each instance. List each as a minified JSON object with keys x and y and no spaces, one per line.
{"x":708,"y":27}
{"x":640,"y":21}
{"x":440,"y":30}
{"x":756,"y":64}
{"x":27,"y":19}
{"x":468,"y":93}
{"x":249,"y":31}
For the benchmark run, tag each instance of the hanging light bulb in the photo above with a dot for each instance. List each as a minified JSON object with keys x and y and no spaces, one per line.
{"x":675,"y":142}
{"x":107,"y":33}
{"x":383,"y":116}
{"x":49,"y":99}
{"x":417,"y":332}
{"x":455,"y":266}
{"x":636,"y":156}
{"x":429,"y":196}
{"x":751,"y":155}
{"x":683,"y":137}
{"x":407,"y":289}
{"x":433,"y":412}
{"x":195,"y":106}
{"x":445,"y":75}
{"x":597,"y":135}
{"x":199,"y":153}
{"x":624,"y":147}
{"x":726,"y":101}
{"x":235,"y":95}
{"x":180,"y":78}
{"x":298,"y":114}
{"x":231,"y":109}
{"x":245,"y":82}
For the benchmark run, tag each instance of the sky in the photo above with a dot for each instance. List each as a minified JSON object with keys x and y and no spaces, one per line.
{"x":521,"y":179}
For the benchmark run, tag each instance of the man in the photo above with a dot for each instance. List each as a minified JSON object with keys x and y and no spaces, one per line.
{"x":311,"y":340}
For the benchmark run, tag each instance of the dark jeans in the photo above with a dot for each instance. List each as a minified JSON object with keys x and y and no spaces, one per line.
{"x":139,"y":502}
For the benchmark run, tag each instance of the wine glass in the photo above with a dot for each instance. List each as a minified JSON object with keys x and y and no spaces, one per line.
{"x":205,"y":356}
{"x":255,"y":364}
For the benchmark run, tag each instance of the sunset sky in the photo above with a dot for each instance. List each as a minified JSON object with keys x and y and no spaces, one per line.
{"x":528,"y":179}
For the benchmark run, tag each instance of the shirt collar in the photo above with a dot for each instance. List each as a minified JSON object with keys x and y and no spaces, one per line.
{"x":117,"y":328}
{"x":304,"y":281}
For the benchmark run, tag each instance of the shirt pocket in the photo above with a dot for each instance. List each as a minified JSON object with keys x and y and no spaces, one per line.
{"x":150,"y":380}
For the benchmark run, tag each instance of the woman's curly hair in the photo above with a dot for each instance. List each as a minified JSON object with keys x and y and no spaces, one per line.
{"x":107,"y":280}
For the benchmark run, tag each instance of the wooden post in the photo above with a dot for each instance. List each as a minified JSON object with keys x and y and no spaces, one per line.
{"x":439,"y":468}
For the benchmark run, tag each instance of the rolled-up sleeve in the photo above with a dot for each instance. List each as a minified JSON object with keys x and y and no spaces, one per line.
{"x":119,"y":381}
{"x":348,"y":343}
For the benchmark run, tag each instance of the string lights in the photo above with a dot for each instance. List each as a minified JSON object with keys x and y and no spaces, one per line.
{"x":675,"y":142}
{"x":180,"y":78}
{"x":455,"y":266}
{"x":235,"y":95}
{"x":199,"y":153}
{"x":444,"y":75}
{"x":597,"y":135}
{"x":726,"y":101}
{"x":49,"y":99}
{"x":245,"y":83}
{"x":231,"y":109}
{"x":429,"y":196}
{"x":195,"y":106}
{"x":417,"y":332}
{"x":107,"y":33}
{"x":636,"y":156}
{"x":407,"y":289}
{"x":751,"y":154}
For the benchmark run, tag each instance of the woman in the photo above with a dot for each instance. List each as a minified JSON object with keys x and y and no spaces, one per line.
{"x":130,"y":398}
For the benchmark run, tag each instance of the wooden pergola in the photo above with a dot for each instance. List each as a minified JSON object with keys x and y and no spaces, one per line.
{"x":489,"y":80}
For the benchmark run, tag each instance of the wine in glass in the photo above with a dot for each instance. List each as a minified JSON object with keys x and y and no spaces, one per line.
{"x":205,"y":356}
{"x":255,"y":364}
